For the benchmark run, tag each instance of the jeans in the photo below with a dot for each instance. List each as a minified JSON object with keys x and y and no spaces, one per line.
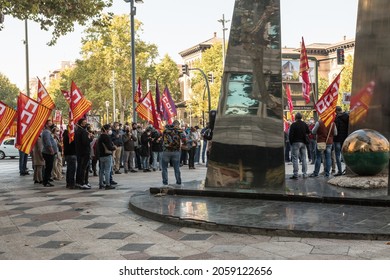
{"x":168,"y":157}
{"x":71,"y":162}
{"x":298,"y":149}
{"x":337,"y":149}
{"x":155,"y":156}
{"x":312,"y":147}
{"x":105,"y":167}
{"x":22,"y":162}
{"x":328,"y":161}
{"x":197,"y":154}
{"x":204,"y":147}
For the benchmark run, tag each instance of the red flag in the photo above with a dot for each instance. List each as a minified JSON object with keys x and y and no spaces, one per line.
{"x":147,"y":111}
{"x":138,"y":94}
{"x":32,"y":117}
{"x":289,"y":101}
{"x":44,"y":97}
{"x":66,"y":95}
{"x":71,"y":126}
{"x":169,"y":107}
{"x":79,"y":104}
{"x":57,"y":116}
{"x":304,"y":71}
{"x":326,"y":105}
{"x":7,"y":117}
{"x":360,"y":103}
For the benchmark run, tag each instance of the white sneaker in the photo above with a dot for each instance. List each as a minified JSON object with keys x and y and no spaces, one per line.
{"x":85,"y":187}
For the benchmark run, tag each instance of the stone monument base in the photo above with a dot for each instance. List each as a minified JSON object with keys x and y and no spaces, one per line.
{"x":360,"y":182}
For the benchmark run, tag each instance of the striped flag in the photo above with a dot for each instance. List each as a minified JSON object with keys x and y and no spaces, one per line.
{"x":78,"y":104}
{"x":147,"y":111}
{"x":43,"y":96}
{"x":159,"y":106}
{"x":32,"y":117}
{"x":289,"y":101}
{"x":7,"y":117}
{"x":304,"y":72}
{"x":326,"y":105}
{"x":360,"y":103}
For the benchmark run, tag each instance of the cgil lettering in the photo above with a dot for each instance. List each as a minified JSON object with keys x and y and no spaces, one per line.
{"x":27,"y":114}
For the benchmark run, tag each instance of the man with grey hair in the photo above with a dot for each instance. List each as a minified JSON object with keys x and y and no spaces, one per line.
{"x":298,"y":135}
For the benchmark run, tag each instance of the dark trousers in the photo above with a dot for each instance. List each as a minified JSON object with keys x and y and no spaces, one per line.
{"x":49,"y":160}
{"x":22,"y":162}
{"x":82,"y":170}
{"x":191,"y":157}
{"x":71,"y":162}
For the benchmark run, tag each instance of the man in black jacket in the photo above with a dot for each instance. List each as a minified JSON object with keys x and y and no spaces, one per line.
{"x":82,"y":140}
{"x":342,"y":124}
{"x":298,"y":135}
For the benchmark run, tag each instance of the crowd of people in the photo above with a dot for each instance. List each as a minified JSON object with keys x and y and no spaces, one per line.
{"x":317,"y":143}
{"x":115,"y":149}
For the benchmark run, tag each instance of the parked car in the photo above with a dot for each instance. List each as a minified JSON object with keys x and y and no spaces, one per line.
{"x":7,"y":149}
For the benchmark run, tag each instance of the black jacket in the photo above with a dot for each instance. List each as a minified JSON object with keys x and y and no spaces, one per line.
{"x":342,"y":124}
{"x":298,"y":132}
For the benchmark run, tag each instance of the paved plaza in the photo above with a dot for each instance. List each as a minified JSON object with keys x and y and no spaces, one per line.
{"x":38,"y":223}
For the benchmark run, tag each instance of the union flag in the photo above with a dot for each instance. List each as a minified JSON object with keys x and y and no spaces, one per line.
{"x":43,"y":96}
{"x":7,"y":117}
{"x":32,"y":117}
{"x":304,"y":72}
{"x":78,"y":103}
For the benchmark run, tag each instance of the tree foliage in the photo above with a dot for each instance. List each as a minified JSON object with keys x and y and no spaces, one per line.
{"x":211,"y":63}
{"x":346,"y":80}
{"x":58,"y":15}
{"x":167,"y":74}
{"x":8,"y":91}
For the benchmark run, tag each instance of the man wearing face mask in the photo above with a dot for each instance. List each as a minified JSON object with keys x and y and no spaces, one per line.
{"x":104,"y":151}
{"x":82,"y":140}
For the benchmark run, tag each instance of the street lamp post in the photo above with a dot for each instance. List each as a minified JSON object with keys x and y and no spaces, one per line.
{"x":132,"y":14}
{"x":107,"y":106}
{"x":27,"y":59}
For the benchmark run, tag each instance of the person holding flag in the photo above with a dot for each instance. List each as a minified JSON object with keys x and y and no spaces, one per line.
{"x":49,"y":151}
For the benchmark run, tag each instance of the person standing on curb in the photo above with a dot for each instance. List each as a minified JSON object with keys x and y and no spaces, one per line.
{"x":298,"y":134}
{"x":173,"y":138}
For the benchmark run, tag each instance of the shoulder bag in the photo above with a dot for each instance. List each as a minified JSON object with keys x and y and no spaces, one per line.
{"x":321,"y":146}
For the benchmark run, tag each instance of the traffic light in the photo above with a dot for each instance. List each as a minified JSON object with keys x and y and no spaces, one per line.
{"x":340,"y":56}
{"x":210,"y":77}
{"x":184,"y":69}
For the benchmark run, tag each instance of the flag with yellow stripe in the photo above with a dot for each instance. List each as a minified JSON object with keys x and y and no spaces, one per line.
{"x":78,"y":103}
{"x":326,"y":105}
{"x":43,"y":96}
{"x":7,"y":116}
{"x":32,"y":117}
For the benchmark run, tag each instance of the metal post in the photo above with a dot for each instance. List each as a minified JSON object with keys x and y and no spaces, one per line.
{"x":223,"y":21}
{"x":27,"y":59}
{"x":113,"y":96}
{"x":132,"y":14}
{"x":207,"y":84}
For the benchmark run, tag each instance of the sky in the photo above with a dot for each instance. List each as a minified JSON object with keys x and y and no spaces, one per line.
{"x":174,"y":25}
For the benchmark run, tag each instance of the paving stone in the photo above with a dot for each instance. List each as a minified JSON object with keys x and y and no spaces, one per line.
{"x":136,"y":247}
{"x":116,"y":235}
{"x":68,"y":256}
{"x":163,"y":258}
{"x":87,"y":217}
{"x":100,"y":225}
{"x":195,"y":236}
{"x":54,"y":244}
{"x":44,"y":233}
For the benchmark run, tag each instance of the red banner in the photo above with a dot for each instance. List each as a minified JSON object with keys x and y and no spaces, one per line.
{"x":7,"y":117}
{"x":326,"y":105}
{"x":66,"y":95}
{"x":57,"y":116}
{"x":360,"y":103}
{"x":147,"y":111}
{"x":32,"y":117}
{"x":79,"y":104}
{"x":289,"y":101}
{"x":44,"y":97}
{"x":304,"y":71}
{"x":138,"y":93}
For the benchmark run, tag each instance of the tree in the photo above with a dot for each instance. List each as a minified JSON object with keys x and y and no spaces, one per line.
{"x":106,"y":55}
{"x":211,"y":63}
{"x":167,"y":73}
{"x":8,"y":92}
{"x":58,"y":15}
{"x":346,"y":80}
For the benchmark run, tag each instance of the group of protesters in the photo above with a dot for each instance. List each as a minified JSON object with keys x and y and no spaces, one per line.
{"x":115,"y":149}
{"x":303,"y":140}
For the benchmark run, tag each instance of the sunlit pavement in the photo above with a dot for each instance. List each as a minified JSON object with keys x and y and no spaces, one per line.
{"x":57,"y":223}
